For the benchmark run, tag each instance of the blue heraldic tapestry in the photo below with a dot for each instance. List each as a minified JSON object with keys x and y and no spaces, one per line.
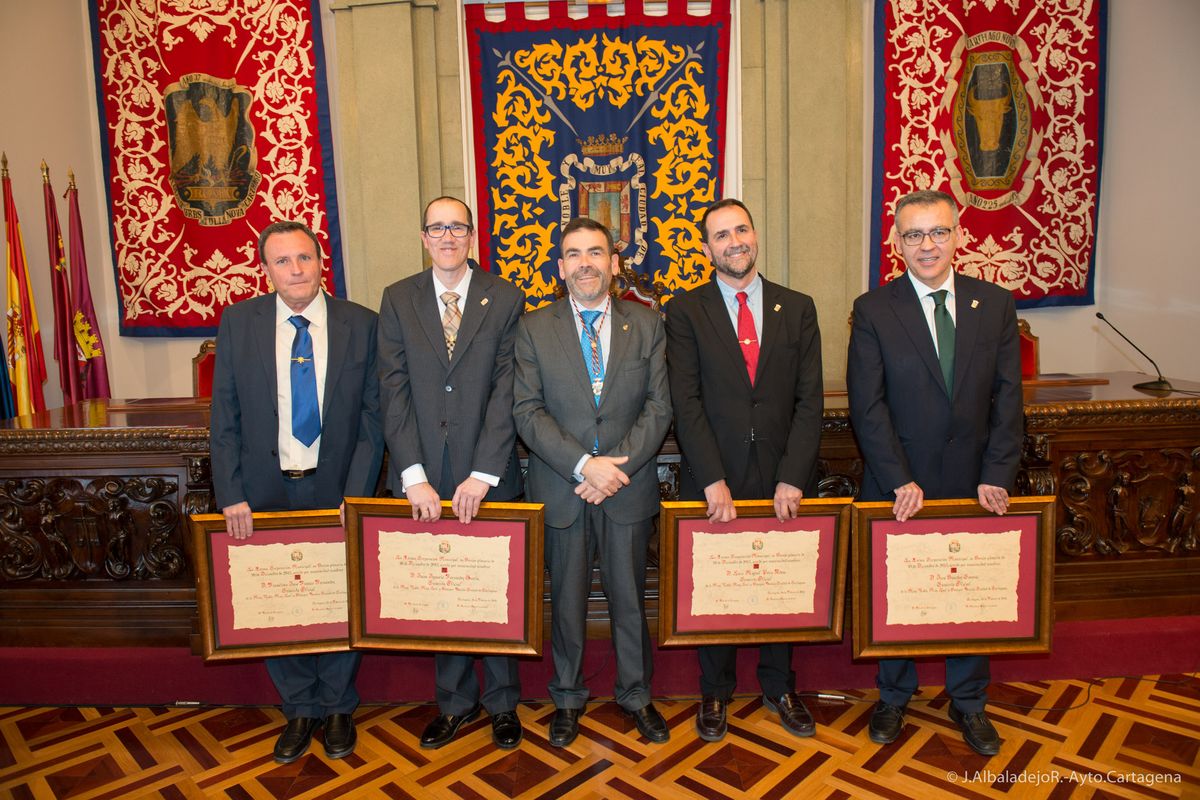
{"x":617,"y":118}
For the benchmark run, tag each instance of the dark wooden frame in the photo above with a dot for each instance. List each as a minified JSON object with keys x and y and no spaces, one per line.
{"x":672,"y":513}
{"x":866,"y":644}
{"x":361,"y":635}
{"x":203,"y":526}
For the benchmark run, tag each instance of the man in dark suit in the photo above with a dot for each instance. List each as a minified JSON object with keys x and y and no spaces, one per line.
{"x":592,"y":405}
{"x":934,"y":377}
{"x":744,"y":359}
{"x":295,"y":426}
{"x":446,"y":377}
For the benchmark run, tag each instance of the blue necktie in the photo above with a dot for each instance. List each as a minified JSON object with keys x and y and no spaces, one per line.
{"x":593,"y":354}
{"x":306,"y":415}
{"x":593,"y":359}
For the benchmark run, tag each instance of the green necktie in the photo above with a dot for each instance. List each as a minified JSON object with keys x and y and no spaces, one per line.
{"x":944,"y":326}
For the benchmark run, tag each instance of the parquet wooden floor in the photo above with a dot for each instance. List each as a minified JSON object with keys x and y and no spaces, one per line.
{"x":1116,"y":738}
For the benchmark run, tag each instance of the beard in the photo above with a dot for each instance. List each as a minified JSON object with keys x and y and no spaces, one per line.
{"x":724,"y":264}
{"x":583,"y":294}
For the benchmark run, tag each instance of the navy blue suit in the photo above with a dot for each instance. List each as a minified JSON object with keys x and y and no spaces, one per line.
{"x":245,"y":461}
{"x":910,"y":429}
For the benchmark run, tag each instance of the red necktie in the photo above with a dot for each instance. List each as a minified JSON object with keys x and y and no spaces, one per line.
{"x":747,"y":337}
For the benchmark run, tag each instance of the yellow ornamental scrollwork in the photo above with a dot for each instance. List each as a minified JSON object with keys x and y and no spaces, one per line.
{"x":537,"y":89}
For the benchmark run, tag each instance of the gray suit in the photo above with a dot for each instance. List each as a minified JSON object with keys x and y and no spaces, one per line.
{"x":557,"y":418}
{"x":453,"y":416}
{"x":245,"y":460}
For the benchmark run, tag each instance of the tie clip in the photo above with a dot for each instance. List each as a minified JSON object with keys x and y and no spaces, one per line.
{"x":301,"y":360}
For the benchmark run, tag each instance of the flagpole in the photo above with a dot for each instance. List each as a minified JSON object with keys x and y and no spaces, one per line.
{"x":92,"y":369}
{"x":64,"y":334}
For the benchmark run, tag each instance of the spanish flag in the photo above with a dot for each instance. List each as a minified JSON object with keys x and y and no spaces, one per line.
{"x":27,"y":365}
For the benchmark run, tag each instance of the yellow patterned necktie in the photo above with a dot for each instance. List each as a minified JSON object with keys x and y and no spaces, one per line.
{"x":450,"y":321}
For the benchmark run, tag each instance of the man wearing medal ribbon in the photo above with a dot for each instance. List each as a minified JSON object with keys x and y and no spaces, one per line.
{"x":591,"y":403}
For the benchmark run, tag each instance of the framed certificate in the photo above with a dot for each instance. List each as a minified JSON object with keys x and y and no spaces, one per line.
{"x":280,"y":592}
{"x":444,"y":586}
{"x":755,"y":579}
{"x":953,"y":580}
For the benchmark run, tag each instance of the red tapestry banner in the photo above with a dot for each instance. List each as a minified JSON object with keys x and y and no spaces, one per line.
{"x":1000,"y":104}
{"x":214,"y":124}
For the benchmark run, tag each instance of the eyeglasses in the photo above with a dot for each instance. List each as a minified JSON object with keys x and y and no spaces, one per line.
{"x":937,"y":236}
{"x":437,"y":230}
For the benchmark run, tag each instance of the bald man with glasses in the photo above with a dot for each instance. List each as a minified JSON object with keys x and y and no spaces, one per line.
{"x":446,"y":385}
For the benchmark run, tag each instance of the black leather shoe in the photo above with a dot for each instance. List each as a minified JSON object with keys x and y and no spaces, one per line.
{"x":977,"y":731}
{"x":793,"y":714}
{"x":651,"y":723}
{"x":887,"y":721}
{"x":506,"y":730}
{"x":339,"y":735}
{"x":710,"y":719}
{"x":565,"y":726}
{"x":293,"y":742}
{"x":441,"y":731}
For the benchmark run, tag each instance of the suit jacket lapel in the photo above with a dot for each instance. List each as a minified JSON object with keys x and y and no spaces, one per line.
{"x":426,"y":310}
{"x":618,"y":345}
{"x":474,"y":309}
{"x":568,"y":339}
{"x":264,"y":335}
{"x":337,"y":341}
{"x":966,"y":327}
{"x":912,"y":318}
{"x":718,"y":316}
{"x":772,"y":324}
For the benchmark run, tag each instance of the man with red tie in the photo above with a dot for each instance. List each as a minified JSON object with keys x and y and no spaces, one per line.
{"x":744,"y":362}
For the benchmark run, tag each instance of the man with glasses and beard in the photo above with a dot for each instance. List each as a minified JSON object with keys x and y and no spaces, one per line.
{"x":446,"y":378}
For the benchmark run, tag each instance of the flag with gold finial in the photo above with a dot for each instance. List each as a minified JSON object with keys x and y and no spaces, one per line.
{"x":27,"y":364}
{"x":92,"y":369}
{"x":64,"y":331}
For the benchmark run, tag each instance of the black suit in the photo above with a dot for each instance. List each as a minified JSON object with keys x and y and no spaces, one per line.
{"x":908,"y":429}
{"x":245,"y":460}
{"x":454,"y":417}
{"x":753,"y":437}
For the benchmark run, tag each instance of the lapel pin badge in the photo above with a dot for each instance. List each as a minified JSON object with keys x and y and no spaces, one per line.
{"x":483,"y":302}
{"x":974,"y":304}
{"x":777,"y":306}
{"x":625,"y":327}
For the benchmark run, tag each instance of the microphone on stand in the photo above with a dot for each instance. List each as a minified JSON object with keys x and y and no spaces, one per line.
{"x":1160,"y":385}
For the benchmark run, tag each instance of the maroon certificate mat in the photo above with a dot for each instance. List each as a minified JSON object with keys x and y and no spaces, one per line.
{"x":282,"y":591}
{"x":444,"y":586}
{"x":755,"y":579}
{"x":954,"y":580}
